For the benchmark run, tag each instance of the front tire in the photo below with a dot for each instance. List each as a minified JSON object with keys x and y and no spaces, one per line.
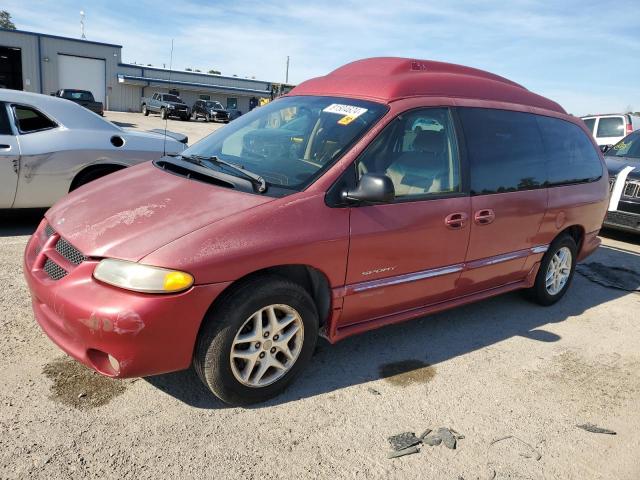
{"x":163,"y":114}
{"x":556,"y":272}
{"x":145,"y":112}
{"x":256,"y":340}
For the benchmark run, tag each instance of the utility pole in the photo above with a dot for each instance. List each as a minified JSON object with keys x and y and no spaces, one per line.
{"x":286,"y":77}
{"x":84,"y":37}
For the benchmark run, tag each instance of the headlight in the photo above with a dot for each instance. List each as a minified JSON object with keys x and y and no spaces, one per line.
{"x":141,"y":278}
{"x":171,"y":107}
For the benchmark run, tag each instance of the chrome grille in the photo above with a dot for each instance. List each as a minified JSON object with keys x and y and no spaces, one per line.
{"x":55,"y":271}
{"x":48,"y":230}
{"x":69,"y":252}
{"x":631,"y":189}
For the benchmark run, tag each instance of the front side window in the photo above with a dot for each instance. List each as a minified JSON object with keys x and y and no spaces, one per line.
{"x":627,"y":147}
{"x":418,"y":151}
{"x":505,"y":150}
{"x":292,"y":140}
{"x":31,"y":120}
{"x":572,"y":158}
{"x":610,"y":127}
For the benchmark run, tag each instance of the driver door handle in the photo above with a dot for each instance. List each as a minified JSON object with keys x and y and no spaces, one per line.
{"x":456,"y":221}
{"x":484,"y":216}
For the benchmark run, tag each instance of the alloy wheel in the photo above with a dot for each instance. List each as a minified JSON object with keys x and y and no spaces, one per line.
{"x":267,"y":345}
{"x":558,"y":271}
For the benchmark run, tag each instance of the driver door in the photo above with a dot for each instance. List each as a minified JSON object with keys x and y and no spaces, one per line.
{"x":409,"y":253}
{"x":9,"y":160}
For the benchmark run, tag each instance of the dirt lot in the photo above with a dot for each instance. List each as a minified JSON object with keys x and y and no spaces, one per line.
{"x":195,"y":130}
{"x":497,"y":368}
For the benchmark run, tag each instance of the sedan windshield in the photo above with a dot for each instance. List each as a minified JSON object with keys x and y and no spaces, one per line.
{"x":215,"y":105}
{"x":627,"y":147}
{"x":291,"y":141}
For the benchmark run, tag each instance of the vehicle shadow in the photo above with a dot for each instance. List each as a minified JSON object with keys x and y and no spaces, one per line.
{"x":429,"y":341}
{"x":20,"y":222}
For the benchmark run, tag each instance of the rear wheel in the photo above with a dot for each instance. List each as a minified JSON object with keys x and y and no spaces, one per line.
{"x":194,"y":116}
{"x":556,"y":271}
{"x":93,"y":174}
{"x":257,"y":340}
{"x":145,"y":112}
{"x":207,"y":117}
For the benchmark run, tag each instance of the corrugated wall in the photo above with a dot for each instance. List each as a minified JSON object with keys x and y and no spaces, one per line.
{"x":29,"y":51}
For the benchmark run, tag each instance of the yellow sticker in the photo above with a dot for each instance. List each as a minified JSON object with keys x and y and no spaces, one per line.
{"x":346,"y":120}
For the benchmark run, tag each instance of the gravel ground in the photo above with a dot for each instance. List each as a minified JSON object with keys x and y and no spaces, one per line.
{"x":195,"y":130}
{"x":502,"y":367}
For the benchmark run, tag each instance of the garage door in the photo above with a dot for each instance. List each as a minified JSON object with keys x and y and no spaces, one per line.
{"x":82,"y":74}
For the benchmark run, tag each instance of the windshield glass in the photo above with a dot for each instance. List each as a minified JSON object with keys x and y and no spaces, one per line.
{"x":171,"y":98}
{"x":215,"y":105}
{"x":291,"y":141}
{"x":627,"y":147}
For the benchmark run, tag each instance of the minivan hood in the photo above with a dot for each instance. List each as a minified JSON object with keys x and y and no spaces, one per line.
{"x":135,"y":211}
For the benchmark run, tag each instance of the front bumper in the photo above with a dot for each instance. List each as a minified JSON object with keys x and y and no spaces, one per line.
{"x":620,"y":220}
{"x":146,"y":334}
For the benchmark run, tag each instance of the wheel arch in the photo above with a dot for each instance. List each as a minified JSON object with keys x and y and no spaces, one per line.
{"x":577,"y":232}
{"x":310,"y":278}
{"x":106,"y":167}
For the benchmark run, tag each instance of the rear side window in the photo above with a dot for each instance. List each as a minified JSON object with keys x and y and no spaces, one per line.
{"x":31,"y":120}
{"x":572,"y":156}
{"x":505,"y":150}
{"x":610,"y":127}
{"x":590,"y":123}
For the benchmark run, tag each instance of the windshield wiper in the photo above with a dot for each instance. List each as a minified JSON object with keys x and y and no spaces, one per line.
{"x":205,"y":161}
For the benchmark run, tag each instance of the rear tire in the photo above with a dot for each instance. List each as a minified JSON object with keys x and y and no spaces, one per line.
{"x":145,"y":112}
{"x":89,"y":176}
{"x":242,"y":363}
{"x":207,"y":118}
{"x":555,"y":273}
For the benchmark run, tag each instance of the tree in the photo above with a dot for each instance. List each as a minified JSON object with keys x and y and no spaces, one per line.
{"x":214,"y":72}
{"x":5,"y":20}
{"x":188,"y":69}
{"x":198,"y":70}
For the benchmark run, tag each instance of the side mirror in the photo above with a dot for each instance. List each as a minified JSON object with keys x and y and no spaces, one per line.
{"x":372,"y":188}
{"x":605,"y":148}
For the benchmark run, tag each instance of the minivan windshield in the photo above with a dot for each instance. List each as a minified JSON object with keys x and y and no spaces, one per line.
{"x":627,"y":147}
{"x":289,"y":142}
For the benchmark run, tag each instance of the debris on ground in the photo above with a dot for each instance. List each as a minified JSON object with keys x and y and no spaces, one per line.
{"x":373,"y":391}
{"x":405,"y":443}
{"x":620,"y":278}
{"x":403,"y":440}
{"x":403,"y":452}
{"x":534,"y":453}
{"x":590,"y":427}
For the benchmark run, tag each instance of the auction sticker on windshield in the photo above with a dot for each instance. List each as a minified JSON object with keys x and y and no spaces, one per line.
{"x":348,"y":110}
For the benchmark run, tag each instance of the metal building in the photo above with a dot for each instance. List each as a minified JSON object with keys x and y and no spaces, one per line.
{"x":41,"y":63}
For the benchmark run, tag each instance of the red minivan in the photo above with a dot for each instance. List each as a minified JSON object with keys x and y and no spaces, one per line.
{"x":389,"y":189}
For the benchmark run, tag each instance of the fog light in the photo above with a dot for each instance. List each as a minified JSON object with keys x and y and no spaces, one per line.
{"x":113,"y":361}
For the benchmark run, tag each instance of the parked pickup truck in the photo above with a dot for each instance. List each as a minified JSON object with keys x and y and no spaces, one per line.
{"x":167,"y":105}
{"x":81,"y":97}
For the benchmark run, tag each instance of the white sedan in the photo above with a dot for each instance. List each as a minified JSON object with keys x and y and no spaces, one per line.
{"x":50,"y":146}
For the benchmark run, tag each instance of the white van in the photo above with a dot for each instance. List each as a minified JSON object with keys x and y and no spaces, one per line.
{"x":610,"y":129}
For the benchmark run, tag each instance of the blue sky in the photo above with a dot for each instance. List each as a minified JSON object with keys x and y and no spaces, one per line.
{"x":583,"y":54}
